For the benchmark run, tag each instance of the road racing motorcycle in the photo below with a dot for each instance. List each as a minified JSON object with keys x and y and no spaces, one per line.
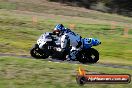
{"x":50,"y":47}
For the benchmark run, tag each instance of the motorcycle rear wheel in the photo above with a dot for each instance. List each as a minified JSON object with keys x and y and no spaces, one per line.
{"x":92,"y":55}
{"x":89,"y":56}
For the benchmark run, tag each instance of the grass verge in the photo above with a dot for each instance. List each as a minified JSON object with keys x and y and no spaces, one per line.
{"x":31,"y":73}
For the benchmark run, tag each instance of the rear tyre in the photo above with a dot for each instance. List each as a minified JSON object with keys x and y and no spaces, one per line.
{"x":89,"y":56}
{"x":38,"y":53}
{"x":81,"y":57}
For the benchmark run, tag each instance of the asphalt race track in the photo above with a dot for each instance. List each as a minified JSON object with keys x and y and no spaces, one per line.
{"x":72,"y":62}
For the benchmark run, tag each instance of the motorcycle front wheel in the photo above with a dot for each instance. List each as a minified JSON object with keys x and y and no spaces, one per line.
{"x":37,"y":53}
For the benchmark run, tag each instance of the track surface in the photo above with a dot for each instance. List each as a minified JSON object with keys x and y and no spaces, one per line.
{"x":72,"y":62}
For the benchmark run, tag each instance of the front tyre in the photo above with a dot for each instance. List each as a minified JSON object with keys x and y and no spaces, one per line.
{"x":37,"y":53}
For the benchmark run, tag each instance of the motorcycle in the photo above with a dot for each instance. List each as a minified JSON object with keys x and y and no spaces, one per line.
{"x":50,"y":45}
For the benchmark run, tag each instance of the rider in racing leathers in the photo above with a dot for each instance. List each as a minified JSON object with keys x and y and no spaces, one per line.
{"x":67,"y":36}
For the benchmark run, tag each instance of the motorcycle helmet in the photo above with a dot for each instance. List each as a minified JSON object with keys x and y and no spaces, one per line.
{"x":59,"y":29}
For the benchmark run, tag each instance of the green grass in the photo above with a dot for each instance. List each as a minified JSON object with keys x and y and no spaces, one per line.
{"x":7,"y":5}
{"x":18,"y":34}
{"x":44,"y":7}
{"x":31,"y":73}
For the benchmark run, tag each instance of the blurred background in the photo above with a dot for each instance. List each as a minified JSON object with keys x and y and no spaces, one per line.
{"x":23,"y":21}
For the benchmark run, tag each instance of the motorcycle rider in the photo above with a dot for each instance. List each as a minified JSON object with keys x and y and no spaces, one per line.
{"x":68,"y":37}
